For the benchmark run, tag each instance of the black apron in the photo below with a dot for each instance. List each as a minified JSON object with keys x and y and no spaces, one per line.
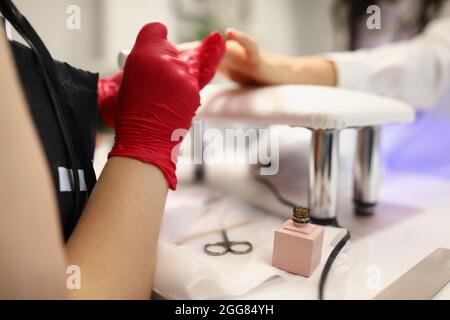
{"x":63,"y":105}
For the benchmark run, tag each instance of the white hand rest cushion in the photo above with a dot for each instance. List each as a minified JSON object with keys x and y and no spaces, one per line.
{"x":314,"y":107}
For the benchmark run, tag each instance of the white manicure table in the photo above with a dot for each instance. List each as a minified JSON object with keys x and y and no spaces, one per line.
{"x":415,"y":215}
{"x":326,"y":111}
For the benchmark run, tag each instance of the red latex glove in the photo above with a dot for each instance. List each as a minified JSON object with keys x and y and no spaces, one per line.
{"x":202,"y":63}
{"x":159,"y":94}
{"x":108,"y":89}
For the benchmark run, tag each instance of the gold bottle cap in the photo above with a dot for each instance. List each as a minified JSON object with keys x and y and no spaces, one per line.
{"x":301,"y":215}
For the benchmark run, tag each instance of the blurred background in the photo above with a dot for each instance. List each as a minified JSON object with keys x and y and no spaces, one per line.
{"x":107,"y":26}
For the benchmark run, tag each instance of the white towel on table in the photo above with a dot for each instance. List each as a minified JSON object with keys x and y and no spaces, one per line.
{"x":186,"y":272}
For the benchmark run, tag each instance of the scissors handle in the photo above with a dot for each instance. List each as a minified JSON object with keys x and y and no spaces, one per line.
{"x":247,"y":247}
{"x":216,"y":249}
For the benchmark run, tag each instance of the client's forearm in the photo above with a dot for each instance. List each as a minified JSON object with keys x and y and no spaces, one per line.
{"x":314,"y":70}
{"x":115,"y":240}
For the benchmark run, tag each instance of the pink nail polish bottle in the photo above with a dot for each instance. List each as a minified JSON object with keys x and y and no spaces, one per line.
{"x":297,"y":246}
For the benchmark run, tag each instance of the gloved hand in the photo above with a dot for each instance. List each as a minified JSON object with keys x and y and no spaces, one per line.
{"x":202,"y":63}
{"x":159,"y":94}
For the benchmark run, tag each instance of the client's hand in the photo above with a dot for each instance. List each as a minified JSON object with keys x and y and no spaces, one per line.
{"x":245,"y":63}
{"x":159,"y":94}
{"x":202,"y":59}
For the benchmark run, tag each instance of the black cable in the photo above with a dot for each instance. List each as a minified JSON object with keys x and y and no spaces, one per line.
{"x":333,"y":222}
{"x":327,"y":267}
{"x":276,"y":193}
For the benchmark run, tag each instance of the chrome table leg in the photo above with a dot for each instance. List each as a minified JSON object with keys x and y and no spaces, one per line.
{"x":323,"y":175}
{"x":367,"y":170}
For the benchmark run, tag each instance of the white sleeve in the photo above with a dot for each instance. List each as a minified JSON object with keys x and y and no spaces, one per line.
{"x":416,"y":71}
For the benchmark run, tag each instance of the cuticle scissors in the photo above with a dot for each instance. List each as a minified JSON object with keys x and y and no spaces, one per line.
{"x":225,"y":246}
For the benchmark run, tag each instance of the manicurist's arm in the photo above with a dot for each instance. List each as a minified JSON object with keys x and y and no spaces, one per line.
{"x":32,"y":257}
{"x":115,"y":241}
